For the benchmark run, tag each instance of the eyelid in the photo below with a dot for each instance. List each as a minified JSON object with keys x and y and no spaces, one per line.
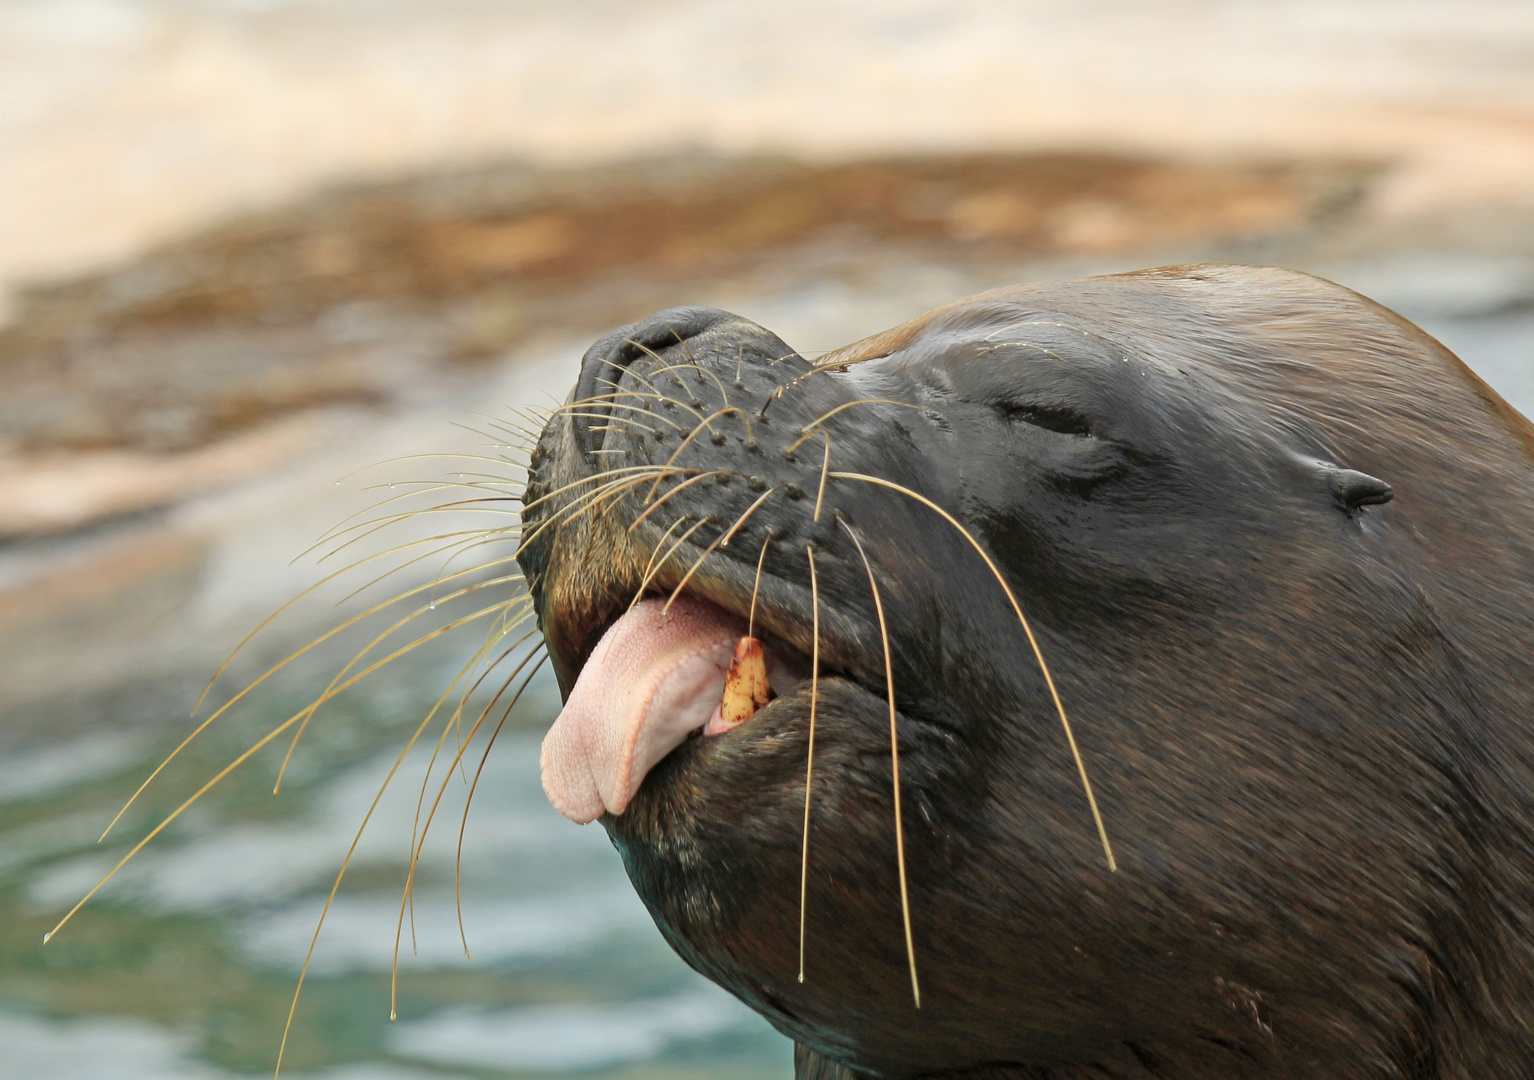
{"x":1057,"y":418}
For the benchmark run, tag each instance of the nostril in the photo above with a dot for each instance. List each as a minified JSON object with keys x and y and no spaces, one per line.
{"x":603,"y":366}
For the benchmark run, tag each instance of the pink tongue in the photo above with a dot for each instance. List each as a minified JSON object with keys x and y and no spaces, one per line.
{"x":654,"y":677}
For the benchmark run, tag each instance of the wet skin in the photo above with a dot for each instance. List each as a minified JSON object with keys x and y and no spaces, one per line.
{"x":1301,"y":702}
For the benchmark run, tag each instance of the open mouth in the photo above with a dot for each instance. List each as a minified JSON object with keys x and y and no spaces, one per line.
{"x":663,"y":671}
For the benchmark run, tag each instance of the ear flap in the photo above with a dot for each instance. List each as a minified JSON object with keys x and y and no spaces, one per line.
{"x":1355,"y":489}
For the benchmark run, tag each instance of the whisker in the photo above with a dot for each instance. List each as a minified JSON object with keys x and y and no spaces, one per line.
{"x":809,"y":760}
{"x":740,"y":521}
{"x":417,"y":847}
{"x":285,"y":607}
{"x":654,"y":554}
{"x":684,"y":484}
{"x":605,"y":476}
{"x":466,"y":506}
{"x":417,"y":488}
{"x":335,"y":887}
{"x":260,"y":679}
{"x":601,"y":416}
{"x":809,"y":429}
{"x":325,"y":696}
{"x":660,"y":364}
{"x":695,"y":432}
{"x":720,"y":541}
{"x":889,"y":683}
{"x":456,"y":716}
{"x":756,"y":585}
{"x":1038,"y":653}
{"x":419,"y":457}
{"x":600,"y":401}
{"x":815,"y":369}
{"x":474,"y":786}
{"x":466,"y":540}
{"x":572,"y":509}
{"x":504,"y":488}
{"x":244,"y":757}
{"x":650,"y":576}
{"x":825,"y":468}
{"x":724,"y":397}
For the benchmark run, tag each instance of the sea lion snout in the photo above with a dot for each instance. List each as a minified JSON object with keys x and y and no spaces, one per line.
{"x":604,"y":364}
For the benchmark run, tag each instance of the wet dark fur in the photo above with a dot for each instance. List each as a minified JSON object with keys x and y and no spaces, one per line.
{"x":1306,"y":714}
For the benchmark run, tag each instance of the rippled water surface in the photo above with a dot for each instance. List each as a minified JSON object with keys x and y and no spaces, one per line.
{"x":184,"y":966}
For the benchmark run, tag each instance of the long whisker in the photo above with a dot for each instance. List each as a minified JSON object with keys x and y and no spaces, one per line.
{"x":606,"y":475}
{"x":660,"y":564}
{"x":469,"y":800}
{"x":309,"y":713}
{"x":366,"y":529}
{"x":809,"y":429}
{"x":457,"y":716}
{"x":335,"y":887}
{"x":889,"y":683}
{"x":257,"y":681}
{"x":572,"y":509}
{"x":417,"y":846}
{"x":684,"y":484}
{"x":756,"y":584}
{"x":246,"y":756}
{"x":650,"y":568}
{"x":701,"y":370}
{"x":1038,"y":653}
{"x":740,"y":521}
{"x":825,"y":468}
{"x":706,"y":422}
{"x":458,"y":543}
{"x":496,"y":481}
{"x":809,"y":760}
{"x":246,"y":640}
{"x":723,"y":540}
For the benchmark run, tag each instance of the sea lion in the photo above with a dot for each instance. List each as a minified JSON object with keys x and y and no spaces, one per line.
{"x":1271,"y":549}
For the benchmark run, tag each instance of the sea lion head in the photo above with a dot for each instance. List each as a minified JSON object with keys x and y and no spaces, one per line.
{"x":1197,"y":605}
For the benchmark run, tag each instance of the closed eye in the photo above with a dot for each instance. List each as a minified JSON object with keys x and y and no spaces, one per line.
{"x":1057,"y":418}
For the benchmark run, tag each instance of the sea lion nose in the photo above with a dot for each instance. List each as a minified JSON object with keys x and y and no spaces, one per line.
{"x":605,"y":362}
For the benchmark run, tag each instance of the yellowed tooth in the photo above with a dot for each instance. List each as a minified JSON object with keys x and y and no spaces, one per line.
{"x":745,"y":687}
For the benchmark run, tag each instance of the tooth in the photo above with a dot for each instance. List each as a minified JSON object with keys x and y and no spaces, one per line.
{"x":745,"y":686}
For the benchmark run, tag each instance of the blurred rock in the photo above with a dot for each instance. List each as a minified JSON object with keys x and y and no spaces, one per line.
{"x":370,"y":293}
{"x":58,"y":492}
